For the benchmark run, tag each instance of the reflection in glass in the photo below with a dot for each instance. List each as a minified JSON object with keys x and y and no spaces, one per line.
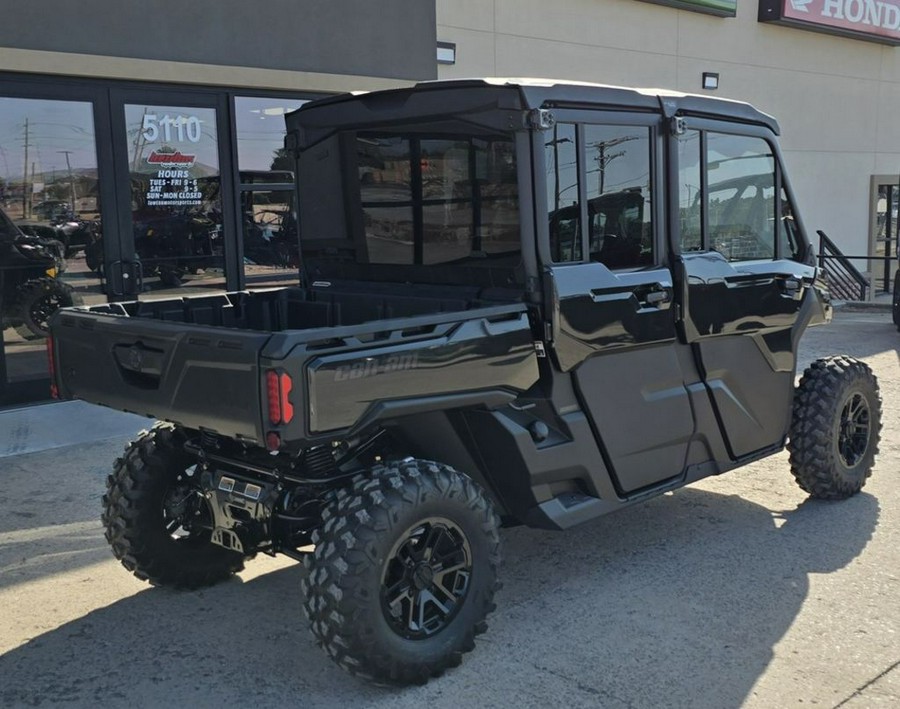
{"x":389,"y":234}
{"x":617,"y":166}
{"x":741,"y":196}
{"x":175,"y":196}
{"x":689,"y":202}
{"x":461,"y":192}
{"x":561,"y":157}
{"x":270,"y":244}
{"x":49,"y":217}
{"x":259,"y":123}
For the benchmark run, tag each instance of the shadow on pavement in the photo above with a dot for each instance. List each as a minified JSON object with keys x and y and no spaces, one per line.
{"x":678,"y":602}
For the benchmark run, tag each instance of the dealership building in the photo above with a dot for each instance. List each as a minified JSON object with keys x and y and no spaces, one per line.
{"x":148,"y":136}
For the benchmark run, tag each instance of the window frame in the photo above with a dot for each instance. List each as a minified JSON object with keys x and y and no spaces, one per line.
{"x":781,"y":186}
{"x":581,"y":118}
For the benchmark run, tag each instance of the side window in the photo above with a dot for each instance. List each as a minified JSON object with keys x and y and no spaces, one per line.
{"x":564,"y":212}
{"x":689,"y":197}
{"x":618,"y":192}
{"x":740,"y":200}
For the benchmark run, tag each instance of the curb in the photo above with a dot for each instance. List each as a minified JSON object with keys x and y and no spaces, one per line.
{"x":863,"y":305}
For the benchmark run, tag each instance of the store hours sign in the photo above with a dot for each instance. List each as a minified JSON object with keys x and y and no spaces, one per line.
{"x":172,"y":184}
{"x":871,"y":20}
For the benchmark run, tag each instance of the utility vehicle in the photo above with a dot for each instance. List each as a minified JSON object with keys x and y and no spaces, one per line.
{"x":519,"y":302}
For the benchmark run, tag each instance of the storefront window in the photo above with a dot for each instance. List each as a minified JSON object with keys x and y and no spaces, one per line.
{"x":271,"y":246}
{"x":269,"y":225}
{"x":49,"y":219}
{"x":259,"y":123}
{"x":176,"y":201}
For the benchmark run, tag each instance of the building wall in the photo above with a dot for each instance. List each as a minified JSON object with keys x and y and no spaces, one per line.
{"x":837,"y":99}
{"x":334,"y":36}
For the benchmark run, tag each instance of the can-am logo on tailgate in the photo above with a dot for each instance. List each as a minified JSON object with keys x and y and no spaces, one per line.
{"x":173,"y":159}
{"x":371,"y":366}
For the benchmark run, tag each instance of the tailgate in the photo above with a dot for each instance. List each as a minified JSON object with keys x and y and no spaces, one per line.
{"x":194,"y":375}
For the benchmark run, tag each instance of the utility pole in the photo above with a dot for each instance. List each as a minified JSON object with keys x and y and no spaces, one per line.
{"x":31,"y":193}
{"x":71,"y":180}
{"x":25,"y":214}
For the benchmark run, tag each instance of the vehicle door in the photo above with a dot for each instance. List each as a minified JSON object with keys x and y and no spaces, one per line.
{"x":610,"y":290}
{"x":741,"y":281}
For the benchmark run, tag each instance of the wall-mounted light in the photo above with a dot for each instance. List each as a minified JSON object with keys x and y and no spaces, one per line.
{"x":446,"y":52}
{"x":710,"y":80}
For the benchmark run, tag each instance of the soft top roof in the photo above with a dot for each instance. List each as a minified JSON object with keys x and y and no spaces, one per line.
{"x":475,"y":99}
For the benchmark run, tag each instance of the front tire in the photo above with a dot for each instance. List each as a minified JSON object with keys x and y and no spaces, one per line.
{"x":404,"y":572}
{"x":156,"y":519}
{"x":835,"y":428}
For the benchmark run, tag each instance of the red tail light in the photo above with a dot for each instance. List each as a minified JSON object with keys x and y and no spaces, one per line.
{"x":51,"y":364}
{"x":278,"y":389}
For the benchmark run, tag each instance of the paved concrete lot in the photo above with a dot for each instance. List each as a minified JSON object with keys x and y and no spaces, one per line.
{"x":737,"y":591}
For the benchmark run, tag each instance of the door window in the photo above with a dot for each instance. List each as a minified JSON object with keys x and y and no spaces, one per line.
{"x":690,"y":203}
{"x":615,"y":197}
{"x":563,"y":202}
{"x":740,"y":200}
{"x":176,"y":204}
{"x":618,"y":193}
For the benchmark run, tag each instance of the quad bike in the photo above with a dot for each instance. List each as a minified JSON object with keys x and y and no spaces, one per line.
{"x":56,"y":221}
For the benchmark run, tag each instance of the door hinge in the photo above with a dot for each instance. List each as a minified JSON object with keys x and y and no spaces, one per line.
{"x":678,"y":125}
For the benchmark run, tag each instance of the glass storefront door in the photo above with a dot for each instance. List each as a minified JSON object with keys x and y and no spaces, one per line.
{"x":886,"y":226}
{"x":174,"y":164}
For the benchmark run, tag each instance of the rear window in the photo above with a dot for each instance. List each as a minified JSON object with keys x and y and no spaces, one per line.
{"x":436,"y":200}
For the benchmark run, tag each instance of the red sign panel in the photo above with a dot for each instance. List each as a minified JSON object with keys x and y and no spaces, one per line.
{"x":875,"y":20}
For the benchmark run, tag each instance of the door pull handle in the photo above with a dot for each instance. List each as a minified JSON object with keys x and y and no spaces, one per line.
{"x":657,"y":297}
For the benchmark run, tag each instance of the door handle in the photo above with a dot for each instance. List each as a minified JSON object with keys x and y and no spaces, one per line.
{"x":791,"y":287}
{"x":655,"y":298}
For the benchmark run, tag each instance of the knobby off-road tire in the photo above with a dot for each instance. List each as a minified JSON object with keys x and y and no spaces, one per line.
{"x":835,"y":427}
{"x":36,"y":301}
{"x":149,"y":508}
{"x":404,"y":572}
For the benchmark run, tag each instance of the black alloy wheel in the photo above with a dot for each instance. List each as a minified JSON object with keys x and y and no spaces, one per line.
{"x":853,"y":439}
{"x":426,"y":578}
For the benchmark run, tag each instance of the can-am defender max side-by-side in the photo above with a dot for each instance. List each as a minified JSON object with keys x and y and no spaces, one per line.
{"x":519,"y":303}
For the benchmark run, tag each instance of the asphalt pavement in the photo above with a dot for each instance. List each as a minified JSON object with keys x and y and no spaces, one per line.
{"x":736,"y":591}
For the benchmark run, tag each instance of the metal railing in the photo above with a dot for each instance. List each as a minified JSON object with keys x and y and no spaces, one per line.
{"x":844,"y":280}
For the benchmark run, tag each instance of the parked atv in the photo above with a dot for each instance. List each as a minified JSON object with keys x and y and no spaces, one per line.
{"x":30,"y":289}
{"x":56,"y":220}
